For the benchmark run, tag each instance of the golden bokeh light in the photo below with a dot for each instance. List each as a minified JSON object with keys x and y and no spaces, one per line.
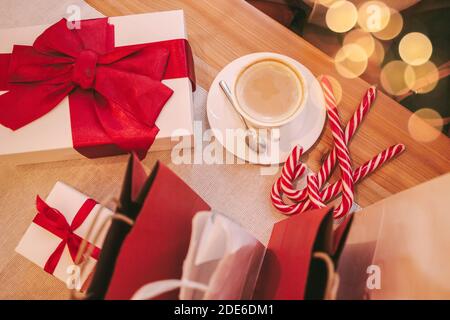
{"x":341,"y":16}
{"x":393,"y":28}
{"x":373,"y":16}
{"x":426,"y":77}
{"x":415,"y":48}
{"x":377,"y":56}
{"x":326,"y":3}
{"x":351,"y":61}
{"x":397,"y":77}
{"x":425,"y":125}
{"x":361,"y":38}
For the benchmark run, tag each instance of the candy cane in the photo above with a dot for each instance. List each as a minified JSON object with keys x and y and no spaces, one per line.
{"x":363,"y":171}
{"x":330,"y":161}
{"x":311,"y":196}
{"x":342,"y":153}
{"x":334,"y":189}
{"x":350,"y":130}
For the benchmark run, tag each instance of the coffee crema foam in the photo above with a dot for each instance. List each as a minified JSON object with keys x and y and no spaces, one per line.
{"x":269,"y":91}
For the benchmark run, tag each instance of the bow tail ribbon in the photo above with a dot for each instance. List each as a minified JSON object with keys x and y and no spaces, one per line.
{"x":55,"y":222}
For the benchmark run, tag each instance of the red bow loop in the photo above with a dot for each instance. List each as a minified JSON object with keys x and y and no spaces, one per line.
{"x":54,"y":219}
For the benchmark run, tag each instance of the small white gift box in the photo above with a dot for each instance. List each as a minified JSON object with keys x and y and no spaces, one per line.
{"x":39,"y":244}
{"x":49,"y":138}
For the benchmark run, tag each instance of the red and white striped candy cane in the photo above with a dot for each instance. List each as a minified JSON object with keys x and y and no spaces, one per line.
{"x":293,"y":167}
{"x":363,"y":171}
{"x":330,"y":161}
{"x":334,"y":189}
{"x":311,"y":197}
{"x":342,"y":153}
{"x":350,"y":130}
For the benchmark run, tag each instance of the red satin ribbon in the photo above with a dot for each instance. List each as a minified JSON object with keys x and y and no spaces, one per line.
{"x":54,"y":221}
{"x":115,"y":93}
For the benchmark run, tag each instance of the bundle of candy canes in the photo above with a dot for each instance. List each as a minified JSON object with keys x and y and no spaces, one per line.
{"x":313,"y":196}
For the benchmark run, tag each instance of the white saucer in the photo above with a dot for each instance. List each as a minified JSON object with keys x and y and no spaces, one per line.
{"x":222,"y":116}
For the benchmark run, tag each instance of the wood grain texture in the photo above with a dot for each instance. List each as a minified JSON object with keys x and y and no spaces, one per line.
{"x":221,"y":31}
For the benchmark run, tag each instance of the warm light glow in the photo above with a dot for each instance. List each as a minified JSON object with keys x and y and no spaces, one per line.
{"x":396,"y":77}
{"x":425,"y":125}
{"x":326,"y":3}
{"x":415,"y":48}
{"x":361,"y":38}
{"x":341,"y":16}
{"x":351,"y":61}
{"x":377,"y":56}
{"x":393,"y":27}
{"x":373,"y":16}
{"x":426,"y":77}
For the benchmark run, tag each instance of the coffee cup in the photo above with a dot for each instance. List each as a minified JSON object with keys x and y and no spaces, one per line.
{"x":269,"y":92}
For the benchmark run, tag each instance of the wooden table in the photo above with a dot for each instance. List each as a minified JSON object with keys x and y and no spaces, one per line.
{"x":219,"y":32}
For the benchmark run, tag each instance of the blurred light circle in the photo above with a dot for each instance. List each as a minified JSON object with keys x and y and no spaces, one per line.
{"x":396,"y":77}
{"x":351,"y":61}
{"x":373,"y":16}
{"x":341,"y":16}
{"x":426,"y":77}
{"x":425,"y":125}
{"x":415,"y":48}
{"x":377,"y":56}
{"x":393,"y":28}
{"x":326,"y":3}
{"x":361,"y":38}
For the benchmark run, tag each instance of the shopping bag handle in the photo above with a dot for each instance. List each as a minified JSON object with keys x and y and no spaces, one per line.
{"x":154,"y":289}
{"x":332,"y":277}
{"x":85,"y":250}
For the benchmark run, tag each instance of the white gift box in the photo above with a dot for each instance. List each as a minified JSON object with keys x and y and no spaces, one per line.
{"x":49,"y":138}
{"x":37,"y":244}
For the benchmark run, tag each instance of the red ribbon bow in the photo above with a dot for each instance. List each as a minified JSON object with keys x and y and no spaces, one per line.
{"x":115,"y":94}
{"x":54,"y":221}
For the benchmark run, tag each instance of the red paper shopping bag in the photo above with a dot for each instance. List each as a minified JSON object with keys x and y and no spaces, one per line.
{"x":158,"y":242}
{"x":301,"y":257}
{"x":153,"y":248}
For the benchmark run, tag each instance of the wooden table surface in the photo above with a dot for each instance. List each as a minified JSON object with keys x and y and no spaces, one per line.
{"x":219,"y":31}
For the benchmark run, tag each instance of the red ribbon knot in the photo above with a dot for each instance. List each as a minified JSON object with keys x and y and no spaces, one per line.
{"x":84,"y":69}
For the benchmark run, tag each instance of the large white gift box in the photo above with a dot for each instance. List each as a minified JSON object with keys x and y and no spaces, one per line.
{"x":49,"y":138}
{"x":38,"y":243}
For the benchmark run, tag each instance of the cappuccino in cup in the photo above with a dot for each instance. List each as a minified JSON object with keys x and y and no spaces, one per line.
{"x":269,"y":92}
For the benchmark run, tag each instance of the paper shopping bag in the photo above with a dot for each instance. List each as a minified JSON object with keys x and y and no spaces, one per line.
{"x":302,"y":257}
{"x":406,"y":245}
{"x":222,"y":263}
{"x":130,"y":203}
{"x":154,"y":248}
